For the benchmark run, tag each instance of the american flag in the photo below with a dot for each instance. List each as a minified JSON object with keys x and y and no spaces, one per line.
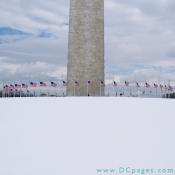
{"x":64,"y":83}
{"x":102,"y":83}
{"x":24,"y":85}
{"x":12,"y":89}
{"x":32,"y":84}
{"x":42,"y":84}
{"x":126,"y":83}
{"x":88,"y":82}
{"x":115,"y":83}
{"x":147,"y":85}
{"x":170,"y":88}
{"x":76,"y":83}
{"x":6,"y":88}
{"x":156,"y":85}
{"x":17,"y":86}
{"x":161,"y":87}
{"x":12,"y":86}
{"x":53,"y":84}
{"x":137,"y":85}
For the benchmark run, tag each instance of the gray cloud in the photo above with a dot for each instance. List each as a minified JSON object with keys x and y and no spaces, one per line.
{"x":137,"y":32}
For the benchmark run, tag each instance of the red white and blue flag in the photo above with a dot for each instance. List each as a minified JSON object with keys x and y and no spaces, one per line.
{"x":138,"y":85}
{"x":6,"y":88}
{"x":161,"y":87}
{"x":147,"y":85}
{"x":17,"y":86}
{"x":64,"y":83}
{"x":156,"y":85}
{"x":170,"y":88}
{"x":12,"y":86}
{"x":53,"y":84}
{"x":102,"y":83}
{"x":24,"y":86}
{"x":126,"y":83}
{"x":32,"y":84}
{"x":115,"y":83}
{"x":42,"y":84}
{"x":88,"y":82}
{"x":77,"y":83}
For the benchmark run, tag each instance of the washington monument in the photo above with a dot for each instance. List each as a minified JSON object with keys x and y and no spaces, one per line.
{"x":86,"y":48}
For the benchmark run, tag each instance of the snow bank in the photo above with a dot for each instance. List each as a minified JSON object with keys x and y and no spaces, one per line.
{"x":63,"y":136}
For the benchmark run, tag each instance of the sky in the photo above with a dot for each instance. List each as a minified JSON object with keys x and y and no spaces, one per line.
{"x":139,"y":40}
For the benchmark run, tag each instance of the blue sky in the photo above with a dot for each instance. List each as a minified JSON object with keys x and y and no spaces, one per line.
{"x":139,"y":39}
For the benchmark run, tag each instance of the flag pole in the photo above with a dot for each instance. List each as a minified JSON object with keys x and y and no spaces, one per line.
{"x":20,"y":93}
{"x":58,"y":89}
{"x":114,"y":89}
{"x":87,"y":88}
{"x":3,"y":89}
{"x":108,"y":92}
{"x":8,"y":91}
{"x":14,"y":91}
{"x":123,"y":90}
{"x":20,"y":88}
{"x":62,"y":87}
{"x":74,"y":89}
{"x":29,"y":87}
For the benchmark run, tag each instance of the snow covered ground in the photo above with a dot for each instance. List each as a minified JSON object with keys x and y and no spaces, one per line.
{"x":75,"y":136}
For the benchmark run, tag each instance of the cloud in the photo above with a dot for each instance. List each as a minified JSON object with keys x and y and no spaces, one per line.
{"x":137,"y":32}
{"x":31,"y":71}
{"x":140,"y":32}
